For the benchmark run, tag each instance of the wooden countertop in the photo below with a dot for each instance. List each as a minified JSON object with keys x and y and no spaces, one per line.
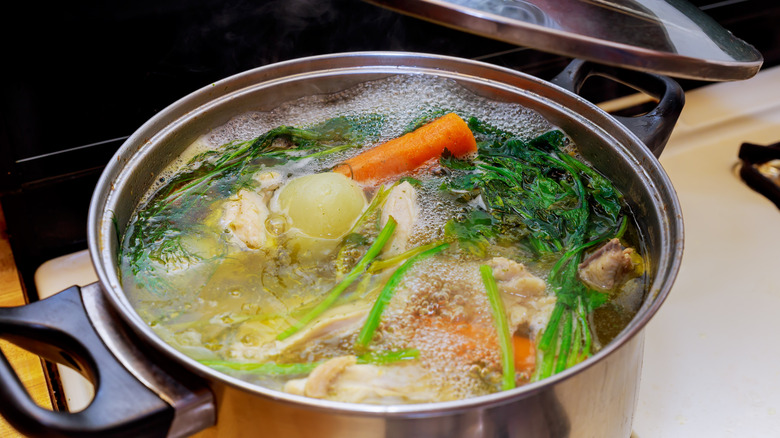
{"x":28,"y":366}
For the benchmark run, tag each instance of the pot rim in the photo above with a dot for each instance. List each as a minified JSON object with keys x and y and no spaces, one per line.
{"x":101,"y":225}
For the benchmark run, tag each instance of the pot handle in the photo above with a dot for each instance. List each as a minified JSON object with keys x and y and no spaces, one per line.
{"x":60,"y":329}
{"x":653,"y":127}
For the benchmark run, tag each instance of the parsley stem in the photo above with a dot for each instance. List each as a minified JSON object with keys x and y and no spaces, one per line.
{"x":502,"y":327}
{"x":288,"y":369}
{"x":335,"y":293}
{"x":392,"y":261}
{"x":372,"y":322}
{"x":551,"y":331}
{"x":563,"y":354}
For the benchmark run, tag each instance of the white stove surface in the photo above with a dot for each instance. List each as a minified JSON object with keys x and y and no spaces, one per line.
{"x":711,"y":364}
{"x":712,"y":361}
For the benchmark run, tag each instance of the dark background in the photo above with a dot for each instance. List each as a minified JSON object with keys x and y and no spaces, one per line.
{"x":79,"y":77}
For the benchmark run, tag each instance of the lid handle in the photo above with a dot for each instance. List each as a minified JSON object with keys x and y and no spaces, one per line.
{"x":653,"y":127}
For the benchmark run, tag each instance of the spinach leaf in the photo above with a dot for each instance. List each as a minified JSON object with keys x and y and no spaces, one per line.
{"x":472,"y":231}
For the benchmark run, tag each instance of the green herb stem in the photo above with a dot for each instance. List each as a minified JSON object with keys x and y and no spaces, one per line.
{"x":375,"y":316}
{"x":574,"y":356}
{"x":375,"y":205}
{"x":622,"y":228}
{"x":502,"y":327}
{"x":325,"y":152}
{"x":548,"y":358}
{"x":335,"y":293}
{"x":566,"y":344}
{"x":551,"y":331}
{"x":383,"y":264}
{"x":588,"y":339}
{"x":288,"y":369}
{"x":389,"y":357}
{"x":342,"y":259}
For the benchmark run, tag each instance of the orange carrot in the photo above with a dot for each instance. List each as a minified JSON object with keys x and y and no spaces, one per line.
{"x":473,"y":342}
{"x":478,"y":343}
{"x":525,"y":354}
{"x":411,"y":150}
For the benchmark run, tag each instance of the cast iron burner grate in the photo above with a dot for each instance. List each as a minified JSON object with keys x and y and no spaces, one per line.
{"x":760,"y":169}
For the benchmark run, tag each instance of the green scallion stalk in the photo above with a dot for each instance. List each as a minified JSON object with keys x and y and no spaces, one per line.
{"x":502,"y":327}
{"x":335,"y":293}
{"x":372,"y":322}
{"x":392,"y":261}
{"x":566,"y":345}
{"x":290,"y":369}
{"x":548,"y":359}
{"x":551,"y":331}
{"x":574,"y":356}
{"x":271,"y":369}
{"x":588,"y":340}
{"x":389,"y":357}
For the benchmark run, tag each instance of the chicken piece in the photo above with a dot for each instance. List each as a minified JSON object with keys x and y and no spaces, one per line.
{"x":320,"y":380}
{"x":246,"y":212}
{"x":244,"y":215}
{"x":331,"y":327}
{"x":514,"y":279}
{"x":401,"y":204}
{"x":348,"y":382}
{"x":607,"y":266}
{"x":524,"y":295}
{"x":532,"y":313}
{"x":267,"y":182}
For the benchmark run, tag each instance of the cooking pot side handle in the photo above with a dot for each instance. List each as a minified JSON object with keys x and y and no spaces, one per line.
{"x":58,"y":329}
{"x":653,"y":127}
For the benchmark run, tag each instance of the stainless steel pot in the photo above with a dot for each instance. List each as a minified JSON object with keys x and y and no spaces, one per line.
{"x":159,"y":390}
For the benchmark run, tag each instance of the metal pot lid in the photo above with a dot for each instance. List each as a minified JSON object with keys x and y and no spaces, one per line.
{"x":670,"y":37}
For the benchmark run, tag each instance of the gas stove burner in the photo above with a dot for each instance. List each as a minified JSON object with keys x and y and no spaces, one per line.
{"x":760,"y":169}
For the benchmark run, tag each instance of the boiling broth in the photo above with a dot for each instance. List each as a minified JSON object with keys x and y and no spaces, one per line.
{"x":235,"y":293}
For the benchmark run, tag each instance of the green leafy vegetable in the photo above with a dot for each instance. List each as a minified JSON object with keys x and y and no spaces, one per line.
{"x":502,"y":327}
{"x":156,"y":240}
{"x":537,"y":192}
{"x":473,"y":231}
{"x":447,"y":159}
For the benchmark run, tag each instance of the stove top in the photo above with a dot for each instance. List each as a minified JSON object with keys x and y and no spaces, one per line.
{"x":710,"y":363}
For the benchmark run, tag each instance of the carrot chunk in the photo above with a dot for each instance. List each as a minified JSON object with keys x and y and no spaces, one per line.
{"x":525,"y":353}
{"x":411,"y":150}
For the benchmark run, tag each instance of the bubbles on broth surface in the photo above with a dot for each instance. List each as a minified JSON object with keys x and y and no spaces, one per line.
{"x":238,"y":305}
{"x":442,"y":310}
{"x":401,"y":99}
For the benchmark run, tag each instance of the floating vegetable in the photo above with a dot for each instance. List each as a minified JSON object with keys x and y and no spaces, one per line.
{"x":268,"y":312}
{"x":411,"y":150}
